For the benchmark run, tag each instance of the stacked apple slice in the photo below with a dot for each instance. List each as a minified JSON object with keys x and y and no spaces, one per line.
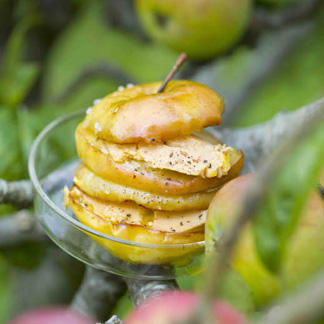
{"x":148,"y":173}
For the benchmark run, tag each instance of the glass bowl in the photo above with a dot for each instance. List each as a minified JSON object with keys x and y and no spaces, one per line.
{"x":52,"y":162}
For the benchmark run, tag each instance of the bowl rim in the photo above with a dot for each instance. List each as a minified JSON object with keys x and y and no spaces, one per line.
{"x":58,"y":211}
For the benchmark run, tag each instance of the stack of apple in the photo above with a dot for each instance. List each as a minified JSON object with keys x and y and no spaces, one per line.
{"x":148,"y":172}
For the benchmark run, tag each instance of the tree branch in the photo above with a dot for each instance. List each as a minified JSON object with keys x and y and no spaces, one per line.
{"x":140,"y":290}
{"x":263,"y":18}
{"x":237,"y":75}
{"x":19,"y":228}
{"x":258,"y":141}
{"x":16,"y":193}
{"x":98,"y":294}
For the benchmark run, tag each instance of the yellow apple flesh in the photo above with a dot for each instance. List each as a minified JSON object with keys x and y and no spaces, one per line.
{"x":139,"y":175}
{"x":140,"y":114}
{"x":132,"y":223}
{"x":106,"y":190}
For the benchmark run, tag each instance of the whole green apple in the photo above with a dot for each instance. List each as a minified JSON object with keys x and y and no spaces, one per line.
{"x":304,"y":253}
{"x":201,"y":28}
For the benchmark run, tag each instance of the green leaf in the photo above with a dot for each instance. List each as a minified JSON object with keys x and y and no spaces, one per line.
{"x":279,"y":215}
{"x":16,"y":77}
{"x":11,"y":167}
{"x":27,"y":255}
{"x":18,"y":130}
{"x":297,"y":81}
{"x":14,"y":48}
{"x":5,"y":291}
{"x":16,"y":84}
{"x":31,"y":122}
{"x":89,"y":41}
{"x":6,"y":209}
{"x":123,"y":307}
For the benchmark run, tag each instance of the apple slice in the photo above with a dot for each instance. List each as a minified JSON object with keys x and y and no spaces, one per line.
{"x":188,"y":155}
{"x":134,"y":223}
{"x":98,"y":187}
{"x":140,"y":175}
{"x":140,"y":114}
{"x":130,"y":213}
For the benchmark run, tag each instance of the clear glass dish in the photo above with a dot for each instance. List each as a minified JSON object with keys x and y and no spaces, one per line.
{"x":52,"y":162}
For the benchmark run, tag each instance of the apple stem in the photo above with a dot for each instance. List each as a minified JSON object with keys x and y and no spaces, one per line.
{"x":179,"y":62}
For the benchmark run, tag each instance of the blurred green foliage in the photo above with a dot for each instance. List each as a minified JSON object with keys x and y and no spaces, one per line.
{"x":16,"y":76}
{"x":297,"y":81}
{"x":89,"y":41}
{"x":285,"y":202}
{"x":278,"y":3}
{"x":5,"y":292}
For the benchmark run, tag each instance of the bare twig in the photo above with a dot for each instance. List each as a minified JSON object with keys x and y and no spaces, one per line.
{"x":17,"y":193}
{"x":304,"y":306}
{"x":140,"y":290}
{"x":101,"y":69}
{"x":19,"y":228}
{"x":179,"y":62}
{"x":279,"y":18}
{"x":258,"y":141}
{"x":98,"y":294}
{"x":20,"y":194}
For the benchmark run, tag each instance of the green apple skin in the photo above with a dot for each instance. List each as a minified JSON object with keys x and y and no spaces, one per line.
{"x":201,"y":28}
{"x":304,"y":254}
{"x":221,"y":215}
{"x":305,"y":251}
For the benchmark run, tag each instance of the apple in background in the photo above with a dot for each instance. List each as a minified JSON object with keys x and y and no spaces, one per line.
{"x":52,"y":315}
{"x":304,"y":254}
{"x":201,"y":28}
{"x":174,"y":306}
{"x":221,"y":213}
